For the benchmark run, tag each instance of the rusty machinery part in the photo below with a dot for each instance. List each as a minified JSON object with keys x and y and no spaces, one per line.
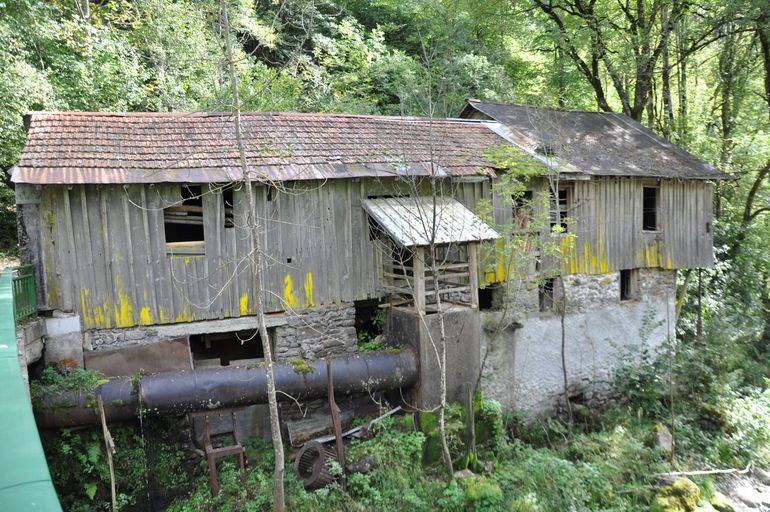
{"x":312,"y":465}
{"x":180,"y":392}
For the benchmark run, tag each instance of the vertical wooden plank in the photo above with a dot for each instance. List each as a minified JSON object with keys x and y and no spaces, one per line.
{"x":473,"y":280}
{"x":419,"y":278}
{"x":150,"y":260}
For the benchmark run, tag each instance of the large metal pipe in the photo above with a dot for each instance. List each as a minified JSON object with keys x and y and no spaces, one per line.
{"x":180,"y":392}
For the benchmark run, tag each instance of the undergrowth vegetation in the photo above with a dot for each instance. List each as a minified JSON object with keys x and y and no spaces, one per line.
{"x":717,"y":405}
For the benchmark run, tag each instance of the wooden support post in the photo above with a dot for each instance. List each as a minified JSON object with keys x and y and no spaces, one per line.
{"x":339,"y":445}
{"x":419,"y":278}
{"x":109,"y":445}
{"x":473,"y":273}
{"x":699,"y":324}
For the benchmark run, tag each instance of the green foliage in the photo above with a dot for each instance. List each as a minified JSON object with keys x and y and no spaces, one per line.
{"x":54,"y":380}
{"x":78,"y":464}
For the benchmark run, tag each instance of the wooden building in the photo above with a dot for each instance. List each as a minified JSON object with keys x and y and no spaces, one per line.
{"x":140,"y":219}
{"x":137,"y":226}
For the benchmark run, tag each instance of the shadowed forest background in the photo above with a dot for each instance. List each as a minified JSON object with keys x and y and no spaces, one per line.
{"x":697,"y":73}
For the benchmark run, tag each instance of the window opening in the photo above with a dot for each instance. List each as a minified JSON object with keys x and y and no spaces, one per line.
{"x":628,"y":284}
{"x":235,"y":348}
{"x":490,"y":298}
{"x":545,"y":294}
{"x":369,"y":322}
{"x":650,"y":201}
{"x":227,"y":202}
{"x":270,"y":193}
{"x":560,"y":208}
{"x":522,"y":211}
{"x":184,"y":222}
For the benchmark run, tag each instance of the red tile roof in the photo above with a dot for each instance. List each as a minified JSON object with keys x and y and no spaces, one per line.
{"x":101,"y":147}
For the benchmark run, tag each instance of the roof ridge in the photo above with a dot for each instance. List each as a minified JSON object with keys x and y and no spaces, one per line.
{"x":541,"y":107}
{"x":204,"y":114}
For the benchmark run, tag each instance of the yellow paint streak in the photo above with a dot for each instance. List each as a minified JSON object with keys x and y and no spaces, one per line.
{"x":124,"y":311}
{"x":289,"y":299}
{"x":185,"y":315}
{"x":85,"y":309}
{"x":186,"y":261}
{"x":145,"y":318}
{"x":309,"y":302}
{"x":244,"y":304}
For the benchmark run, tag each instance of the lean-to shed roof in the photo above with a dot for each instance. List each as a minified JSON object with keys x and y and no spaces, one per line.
{"x":410,"y":221}
{"x":594,"y":143}
{"x":102,"y":147}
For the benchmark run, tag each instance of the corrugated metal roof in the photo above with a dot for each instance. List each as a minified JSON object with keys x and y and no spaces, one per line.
{"x":410,"y":220}
{"x":103,"y":147}
{"x":595,"y":143}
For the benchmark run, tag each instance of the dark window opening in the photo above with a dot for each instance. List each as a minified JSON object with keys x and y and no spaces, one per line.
{"x":650,"y":208}
{"x":227,"y":202}
{"x":546,"y":150}
{"x":545,"y":294}
{"x":490,"y":298}
{"x":628,"y":284}
{"x":226,"y":349}
{"x":271,"y":193}
{"x":560,"y":208}
{"x":523,"y":212}
{"x":183,"y":222}
{"x":370,"y":320}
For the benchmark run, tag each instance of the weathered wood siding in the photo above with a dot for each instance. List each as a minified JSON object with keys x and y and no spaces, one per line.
{"x":608,"y":227}
{"x":606,"y":221}
{"x":105,"y":254}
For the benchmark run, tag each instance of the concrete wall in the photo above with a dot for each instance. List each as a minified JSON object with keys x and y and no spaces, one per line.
{"x":523,"y":368}
{"x":462,"y":330}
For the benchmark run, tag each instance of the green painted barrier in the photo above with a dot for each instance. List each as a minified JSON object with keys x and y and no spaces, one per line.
{"x":25,"y":483}
{"x":24,"y":293}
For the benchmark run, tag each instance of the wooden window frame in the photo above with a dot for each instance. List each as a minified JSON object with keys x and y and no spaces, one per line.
{"x":180,"y":213}
{"x":656,"y":209}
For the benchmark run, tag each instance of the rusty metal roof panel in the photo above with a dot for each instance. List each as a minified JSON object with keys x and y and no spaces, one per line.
{"x":410,"y":221}
{"x":103,"y":147}
{"x":595,"y":143}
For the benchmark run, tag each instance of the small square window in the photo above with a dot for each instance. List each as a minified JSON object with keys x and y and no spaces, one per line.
{"x":650,"y":207}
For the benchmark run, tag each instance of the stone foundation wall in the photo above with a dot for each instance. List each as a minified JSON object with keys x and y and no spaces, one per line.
{"x":303,"y":334}
{"x":523,"y":368}
{"x":316,"y":333}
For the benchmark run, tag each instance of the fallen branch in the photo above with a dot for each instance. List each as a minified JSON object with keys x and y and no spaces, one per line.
{"x":708,"y":472}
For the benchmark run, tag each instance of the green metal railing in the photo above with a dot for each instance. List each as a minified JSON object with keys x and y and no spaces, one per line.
{"x":24,"y":294}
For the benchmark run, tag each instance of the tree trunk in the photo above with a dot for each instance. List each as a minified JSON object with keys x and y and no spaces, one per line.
{"x":668,"y":107}
{"x":255,"y":260}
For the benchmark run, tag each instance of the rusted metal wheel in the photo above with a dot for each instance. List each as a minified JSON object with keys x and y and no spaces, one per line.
{"x":312,"y":465}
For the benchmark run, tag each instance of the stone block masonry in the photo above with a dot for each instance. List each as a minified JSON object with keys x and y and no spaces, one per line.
{"x":523,"y":368}
{"x":316,"y":333}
